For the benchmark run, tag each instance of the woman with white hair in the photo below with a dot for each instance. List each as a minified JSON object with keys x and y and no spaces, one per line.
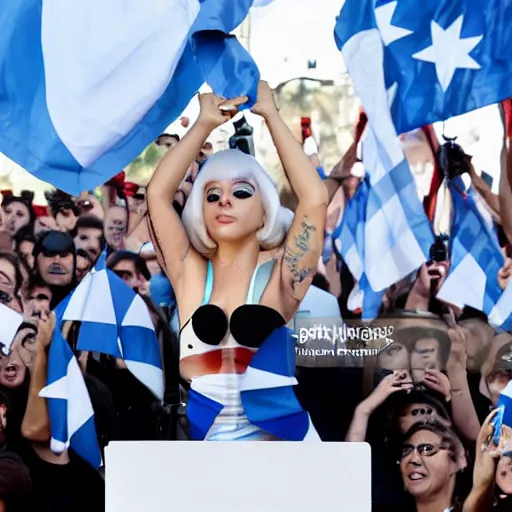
{"x":239,"y":263}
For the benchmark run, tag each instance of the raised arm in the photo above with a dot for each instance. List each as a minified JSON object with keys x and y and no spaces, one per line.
{"x":505,"y":192}
{"x":167,"y":233}
{"x":305,"y":238}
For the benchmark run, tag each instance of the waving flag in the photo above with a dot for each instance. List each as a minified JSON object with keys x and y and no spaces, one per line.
{"x":69,"y":404}
{"x":443,"y":58}
{"x":86,"y":86}
{"x":349,"y":239}
{"x":116,"y":321}
{"x":475,"y":252}
{"x":501,"y":313}
{"x":397,"y":233}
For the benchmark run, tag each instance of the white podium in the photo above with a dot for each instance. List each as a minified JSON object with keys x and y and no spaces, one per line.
{"x":237,"y":477}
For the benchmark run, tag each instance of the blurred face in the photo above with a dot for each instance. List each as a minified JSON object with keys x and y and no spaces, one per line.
{"x":25,"y":249}
{"x":394,"y":357}
{"x":44,"y":224}
{"x":504,"y":474}
{"x":56,"y":269}
{"x":89,"y":205}
{"x":414,"y":413}
{"x":66,"y":219}
{"x":206,"y":151}
{"x":233,"y":210}
{"x":16,"y":215}
{"x":424,"y":356}
{"x":83,"y":265}
{"x":89,"y":239}
{"x":432,"y":275}
{"x":427,"y":467}
{"x":167,"y":142}
{"x":115,"y":226}
{"x":38,"y":301}
{"x":126,"y":270}
{"x":12,"y":370}
{"x":496,"y":382}
{"x":8,"y":285}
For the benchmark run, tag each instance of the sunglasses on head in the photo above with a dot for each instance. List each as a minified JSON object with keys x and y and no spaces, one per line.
{"x":424,"y":412}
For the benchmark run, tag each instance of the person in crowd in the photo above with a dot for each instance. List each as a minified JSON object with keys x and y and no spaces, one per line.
{"x":430,"y":465}
{"x":497,"y":369}
{"x":233,"y":228}
{"x":37,"y":297}
{"x":63,"y":209}
{"x":83,"y":264}
{"x":116,"y":224}
{"x":89,"y":236}
{"x":15,"y":484}
{"x":89,"y":205}
{"x":24,"y":242}
{"x":132,"y":269}
{"x":167,"y":140}
{"x":18,"y":211}
{"x":148,"y":253}
{"x":55,"y":263}
{"x":492,"y":489}
{"x":11,"y":281}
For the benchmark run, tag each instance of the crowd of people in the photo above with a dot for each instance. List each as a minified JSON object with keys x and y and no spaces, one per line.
{"x":222,"y":265}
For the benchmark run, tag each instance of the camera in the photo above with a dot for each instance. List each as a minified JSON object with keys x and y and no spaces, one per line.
{"x":438,"y":250}
{"x":452,"y":158}
{"x":242,"y":139}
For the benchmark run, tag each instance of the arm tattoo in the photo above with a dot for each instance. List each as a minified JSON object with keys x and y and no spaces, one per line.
{"x":300,"y":247}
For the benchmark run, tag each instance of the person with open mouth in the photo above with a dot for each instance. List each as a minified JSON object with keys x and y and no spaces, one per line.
{"x":430,"y":468}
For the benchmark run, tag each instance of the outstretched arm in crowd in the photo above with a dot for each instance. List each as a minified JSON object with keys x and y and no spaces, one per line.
{"x":168,"y":235}
{"x":305,"y":238}
{"x":481,"y":497}
{"x":464,"y":414}
{"x":36,"y":422}
{"x":492,"y":200}
{"x":505,"y":195}
{"x":399,"y":380}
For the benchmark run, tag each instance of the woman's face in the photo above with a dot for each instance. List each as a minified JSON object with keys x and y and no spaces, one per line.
{"x":426,"y":466}
{"x":394,"y":357}
{"x":233,"y":210}
{"x":16,"y":216}
{"x":504,"y":474}
{"x":25,"y":249}
{"x":12,"y":370}
{"x":66,"y":219}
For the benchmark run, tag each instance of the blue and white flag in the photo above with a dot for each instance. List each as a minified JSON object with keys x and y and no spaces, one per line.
{"x":116,"y":321}
{"x":349,"y":238}
{"x":442,"y":58}
{"x":86,"y":86}
{"x":69,"y":405}
{"x":476,"y":257}
{"x":501,"y":313}
{"x":397,"y":233}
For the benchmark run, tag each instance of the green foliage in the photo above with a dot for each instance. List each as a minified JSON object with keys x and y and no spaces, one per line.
{"x":144,"y":165}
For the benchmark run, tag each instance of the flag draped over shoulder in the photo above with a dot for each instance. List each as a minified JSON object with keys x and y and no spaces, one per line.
{"x":87,"y":85}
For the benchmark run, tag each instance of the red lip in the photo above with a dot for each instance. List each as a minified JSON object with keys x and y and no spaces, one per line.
{"x":225,"y":219}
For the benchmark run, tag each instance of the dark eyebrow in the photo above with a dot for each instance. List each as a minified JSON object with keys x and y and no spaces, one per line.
{"x":3,"y":274}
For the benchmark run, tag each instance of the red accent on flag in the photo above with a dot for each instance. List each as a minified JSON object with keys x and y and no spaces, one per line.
{"x":430,"y":201}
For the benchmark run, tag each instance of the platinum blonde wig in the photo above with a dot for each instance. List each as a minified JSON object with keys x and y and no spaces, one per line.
{"x":233,"y":164}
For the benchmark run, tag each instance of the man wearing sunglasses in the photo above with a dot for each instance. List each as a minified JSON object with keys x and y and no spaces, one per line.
{"x":55,"y":262}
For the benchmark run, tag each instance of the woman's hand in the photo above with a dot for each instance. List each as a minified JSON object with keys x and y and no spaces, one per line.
{"x":485,"y":459}
{"x":399,"y":380}
{"x":265,"y":105}
{"x":216,"y":111}
{"x":438,"y":381}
